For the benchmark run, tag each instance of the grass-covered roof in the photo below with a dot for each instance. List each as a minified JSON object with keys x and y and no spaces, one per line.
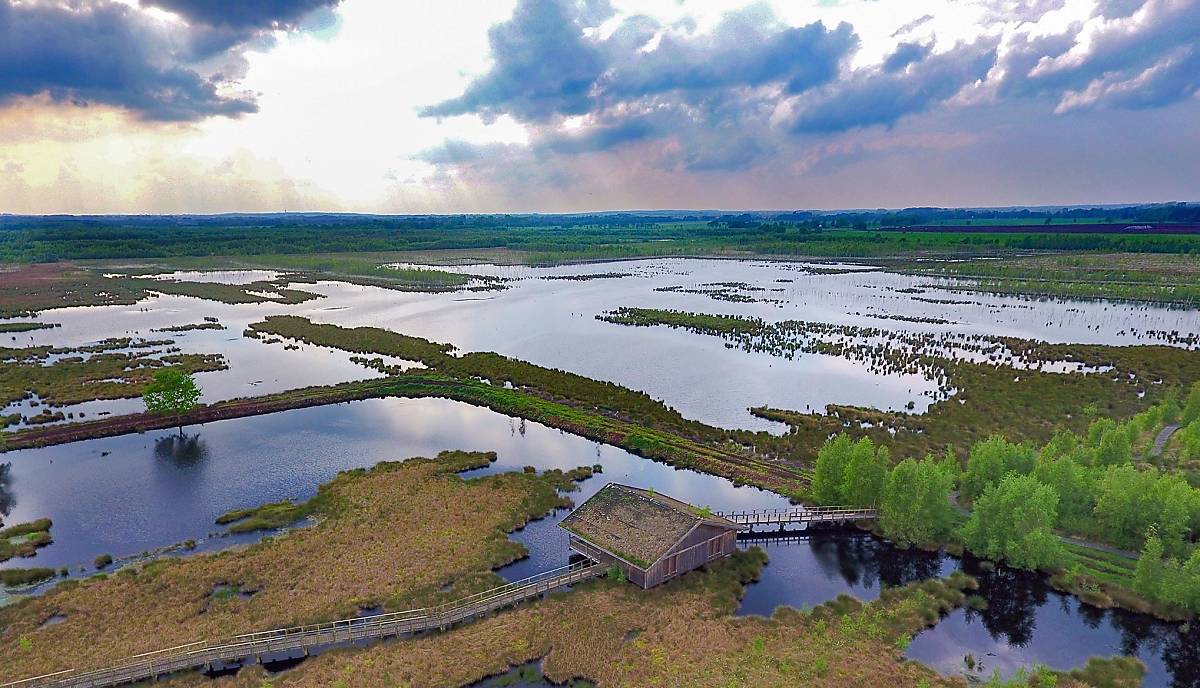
{"x":636,"y":525}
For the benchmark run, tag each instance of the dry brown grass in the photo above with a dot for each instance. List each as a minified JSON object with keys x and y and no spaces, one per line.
{"x":392,"y":535}
{"x":680,"y":634}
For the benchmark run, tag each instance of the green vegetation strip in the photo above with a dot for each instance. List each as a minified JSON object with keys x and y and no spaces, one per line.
{"x":112,"y":369}
{"x":1024,"y":500}
{"x":599,"y":410}
{"x":25,"y":326}
{"x":657,"y":445}
{"x":558,"y":238}
{"x":1123,"y":277}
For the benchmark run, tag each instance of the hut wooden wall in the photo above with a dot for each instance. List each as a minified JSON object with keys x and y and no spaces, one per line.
{"x":692,"y":552}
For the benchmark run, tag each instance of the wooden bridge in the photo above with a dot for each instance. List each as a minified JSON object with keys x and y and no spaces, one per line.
{"x":302,"y":640}
{"x":799,"y":514}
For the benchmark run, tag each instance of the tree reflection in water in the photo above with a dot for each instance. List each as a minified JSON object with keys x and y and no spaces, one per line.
{"x":8,"y":500}
{"x":1013,"y":598}
{"x":864,"y":560}
{"x":181,"y":450}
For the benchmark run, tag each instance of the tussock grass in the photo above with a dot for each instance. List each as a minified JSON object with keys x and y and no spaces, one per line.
{"x":23,"y":539}
{"x":254,"y":292}
{"x":31,"y":288}
{"x":17,"y":577}
{"x":1125,"y":277}
{"x":265,"y":517}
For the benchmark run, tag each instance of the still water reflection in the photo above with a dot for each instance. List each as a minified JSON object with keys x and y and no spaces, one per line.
{"x":126,"y":494}
{"x":551,"y":322}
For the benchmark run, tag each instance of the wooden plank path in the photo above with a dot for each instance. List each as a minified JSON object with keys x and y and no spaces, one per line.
{"x":799,"y":514}
{"x":303,"y":639}
{"x":1164,"y":436}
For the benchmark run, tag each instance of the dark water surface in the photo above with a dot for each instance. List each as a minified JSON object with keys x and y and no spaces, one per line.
{"x":123,"y":495}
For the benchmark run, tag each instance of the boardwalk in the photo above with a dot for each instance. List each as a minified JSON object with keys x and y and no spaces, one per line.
{"x":799,"y":514}
{"x":1160,"y":442}
{"x":302,"y":640}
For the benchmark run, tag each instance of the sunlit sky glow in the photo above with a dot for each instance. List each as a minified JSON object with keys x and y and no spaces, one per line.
{"x":165,"y":106}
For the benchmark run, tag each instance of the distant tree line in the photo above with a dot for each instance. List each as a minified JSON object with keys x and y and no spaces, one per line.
{"x":858,"y":233}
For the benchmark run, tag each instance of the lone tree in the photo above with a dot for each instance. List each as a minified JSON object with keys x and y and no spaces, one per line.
{"x":171,"y":392}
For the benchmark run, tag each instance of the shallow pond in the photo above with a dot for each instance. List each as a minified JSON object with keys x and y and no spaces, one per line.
{"x":527,"y":676}
{"x":126,"y":494}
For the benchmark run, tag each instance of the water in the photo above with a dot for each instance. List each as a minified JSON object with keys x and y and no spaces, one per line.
{"x":526,"y":676}
{"x":154,"y":489}
{"x":254,"y":367}
{"x":552,"y":322}
{"x":1026,"y":622}
{"x":807,"y":569}
{"x":127,"y":494}
{"x":124,"y":495}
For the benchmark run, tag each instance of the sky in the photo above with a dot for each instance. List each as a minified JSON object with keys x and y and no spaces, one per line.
{"x":457,"y":106}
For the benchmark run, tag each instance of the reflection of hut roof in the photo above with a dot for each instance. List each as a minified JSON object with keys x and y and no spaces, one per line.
{"x":637,"y":525}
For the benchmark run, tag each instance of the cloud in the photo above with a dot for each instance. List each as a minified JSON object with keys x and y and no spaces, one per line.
{"x":748,"y":48}
{"x":458,"y":152}
{"x":603,"y":136}
{"x":883,"y":96}
{"x":743,"y":92}
{"x":1127,"y":54}
{"x":709,"y":94}
{"x":549,"y":63}
{"x":243,"y":14}
{"x":544,"y":66}
{"x":102,"y":52}
{"x":1173,"y":78}
{"x":906,"y":54}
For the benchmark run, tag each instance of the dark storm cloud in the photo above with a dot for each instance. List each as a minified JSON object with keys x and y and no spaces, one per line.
{"x":242,"y":14}
{"x":104,"y":53}
{"x":545,"y":66}
{"x":215,"y":26}
{"x":883,"y":97}
{"x":904,"y":55}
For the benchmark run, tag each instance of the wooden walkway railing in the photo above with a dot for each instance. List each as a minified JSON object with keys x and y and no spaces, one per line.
{"x":799,"y":514}
{"x":302,"y":639}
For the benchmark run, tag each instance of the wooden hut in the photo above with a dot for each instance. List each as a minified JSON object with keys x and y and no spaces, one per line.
{"x":650,"y":536}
